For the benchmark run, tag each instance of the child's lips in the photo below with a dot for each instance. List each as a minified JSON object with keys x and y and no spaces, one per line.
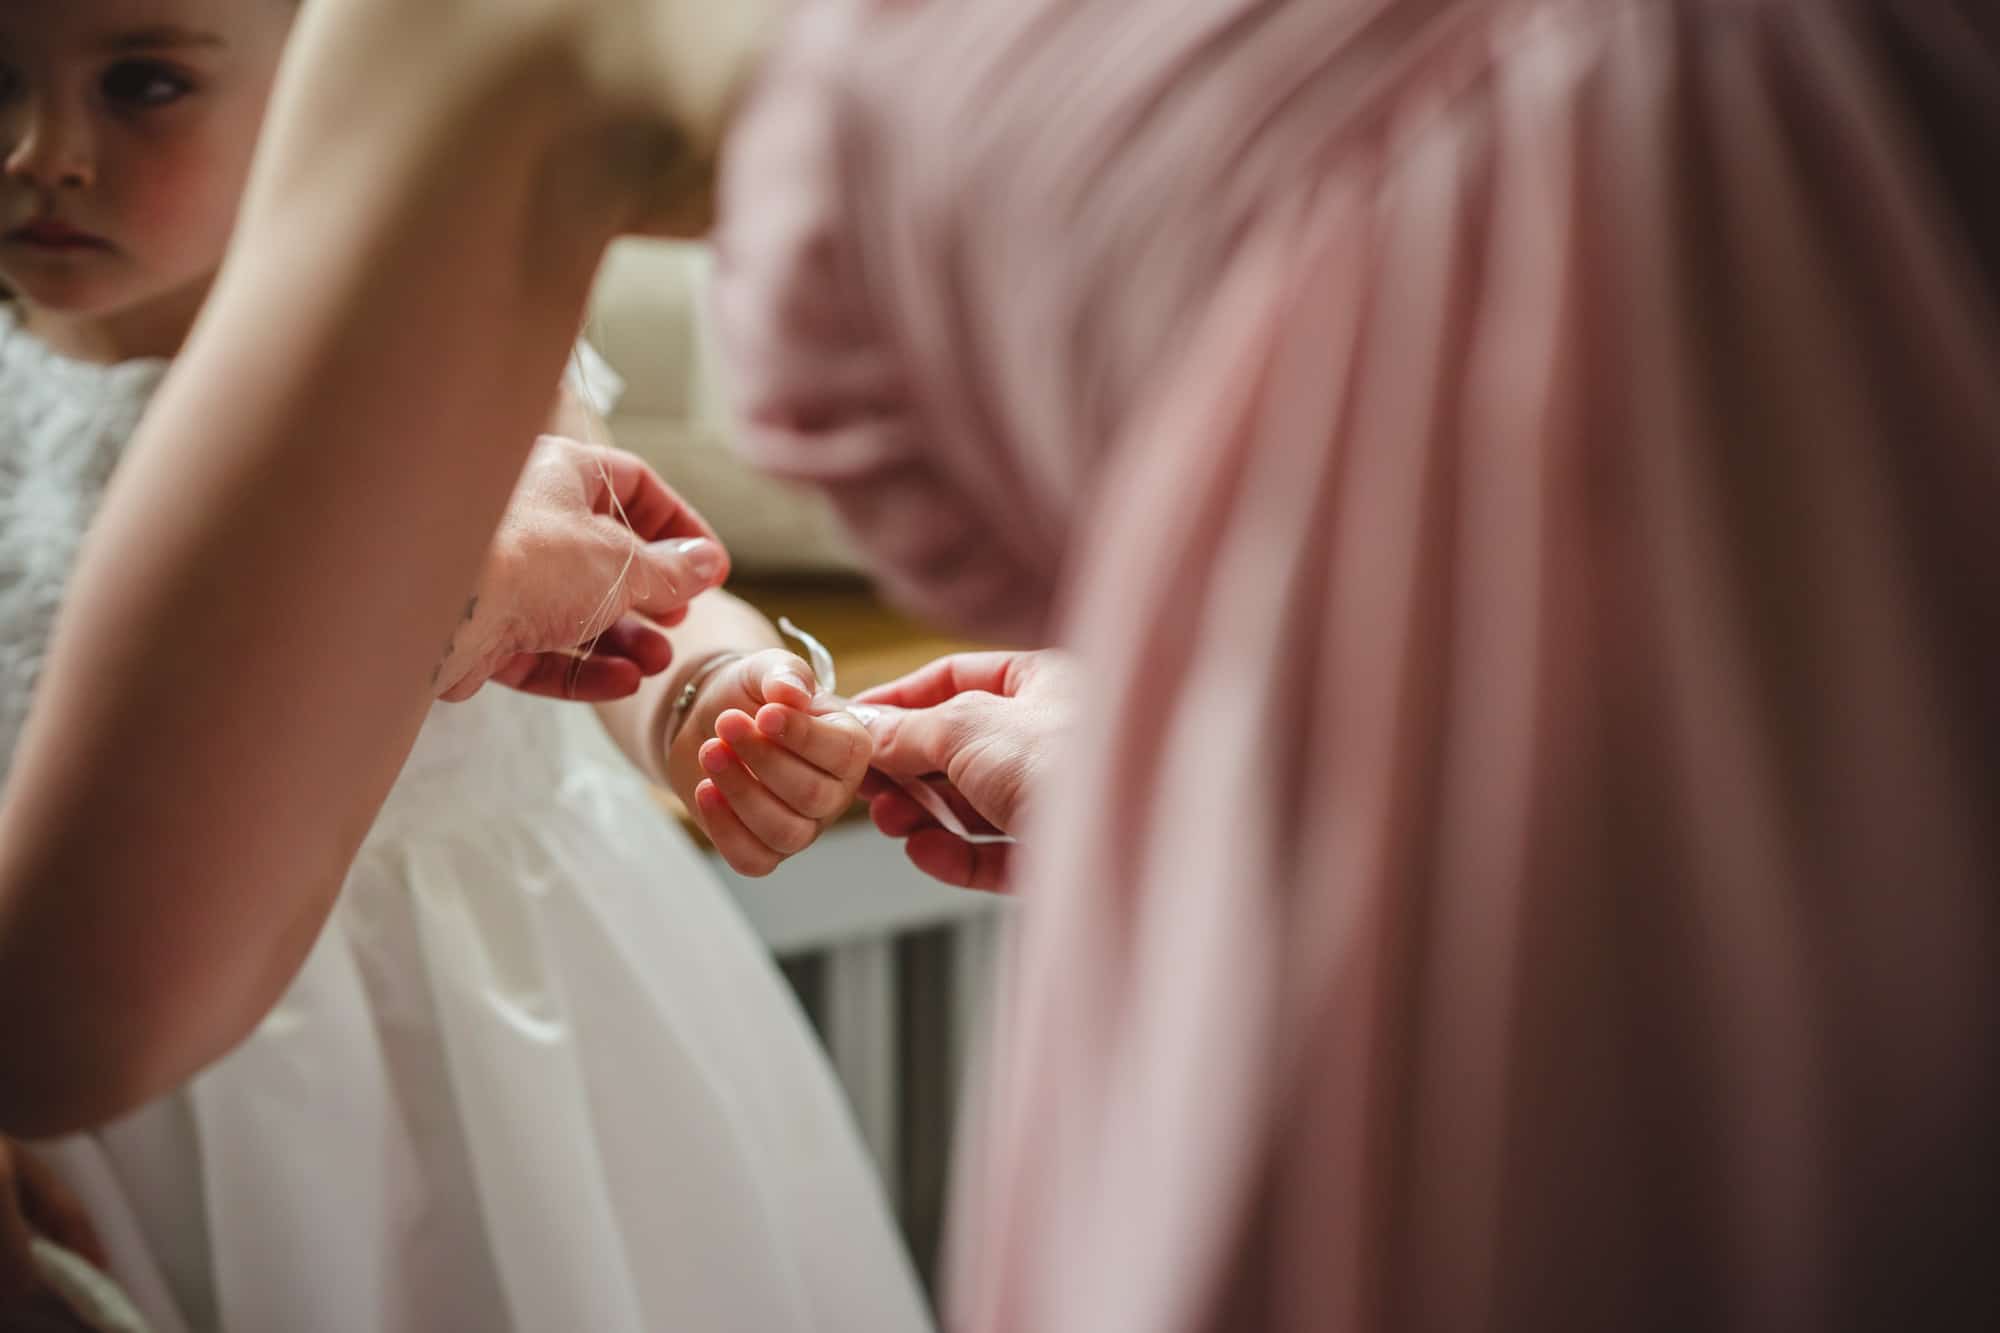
{"x":55,"y":234}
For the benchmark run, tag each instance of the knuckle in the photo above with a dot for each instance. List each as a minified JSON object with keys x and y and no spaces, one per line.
{"x":885,"y":736}
{"x":962,"y":719}
{"x":771,"y":660}
{"x":794,"y":836}
{"x":755,"y":864}
{"x":857,"y":749}
{"x":826,"y":798}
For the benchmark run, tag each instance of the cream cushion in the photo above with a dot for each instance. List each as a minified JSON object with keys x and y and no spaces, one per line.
{"x":647,"y":320}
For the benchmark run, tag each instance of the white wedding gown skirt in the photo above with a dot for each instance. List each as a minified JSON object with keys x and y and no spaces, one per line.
{"x":536,"y":1075}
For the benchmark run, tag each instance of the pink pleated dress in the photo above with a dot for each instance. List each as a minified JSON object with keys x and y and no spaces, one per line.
{"x":1523,"y":483}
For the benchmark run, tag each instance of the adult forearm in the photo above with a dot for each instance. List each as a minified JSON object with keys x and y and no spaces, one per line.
{"x":249,"y":642}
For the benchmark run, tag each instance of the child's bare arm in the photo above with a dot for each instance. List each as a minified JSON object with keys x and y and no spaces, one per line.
{"x":805,"y":775}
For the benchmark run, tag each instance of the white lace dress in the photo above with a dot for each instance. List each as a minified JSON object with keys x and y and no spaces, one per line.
{"x":536,"y":1074}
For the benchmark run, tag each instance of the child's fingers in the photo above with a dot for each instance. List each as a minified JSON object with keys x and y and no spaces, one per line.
{"x":835,"y":742}
{"x":775,"y":824}
{"x":969,"y":865}
{"x":736,"y":844}
{"x":777,"y":676}
{"x":811,"y":791}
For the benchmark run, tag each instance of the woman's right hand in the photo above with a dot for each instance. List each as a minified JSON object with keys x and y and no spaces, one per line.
{"x":33,"y":1201}
{"x":566,"y":574}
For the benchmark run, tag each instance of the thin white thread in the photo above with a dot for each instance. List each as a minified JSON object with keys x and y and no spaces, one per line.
{"x":592,"y":423}
{"x":817,"y":656}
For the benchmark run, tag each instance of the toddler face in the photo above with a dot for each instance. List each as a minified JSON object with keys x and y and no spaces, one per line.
{"x":126,"y":130}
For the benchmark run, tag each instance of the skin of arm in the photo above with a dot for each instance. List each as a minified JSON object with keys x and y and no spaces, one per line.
{"x":247,"y":649}
{"x":742,"y":670}
{"x":716,"y":622}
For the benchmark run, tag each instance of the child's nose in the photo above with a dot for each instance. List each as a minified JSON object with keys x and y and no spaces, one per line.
{"x":53,"y":149}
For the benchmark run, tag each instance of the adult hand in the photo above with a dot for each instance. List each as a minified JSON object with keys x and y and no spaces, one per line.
{"x":572,"y":598}
{"x":33,"y":1201}
{"x":982,"y":728}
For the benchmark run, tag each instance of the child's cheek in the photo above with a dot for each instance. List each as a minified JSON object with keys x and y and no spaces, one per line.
{"x":179,"y":201}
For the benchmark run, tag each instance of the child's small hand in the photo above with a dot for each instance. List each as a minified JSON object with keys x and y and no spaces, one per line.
{"x":770,"y":763}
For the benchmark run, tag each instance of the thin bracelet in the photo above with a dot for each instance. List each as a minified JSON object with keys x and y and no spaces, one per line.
{"x":684,"y":701}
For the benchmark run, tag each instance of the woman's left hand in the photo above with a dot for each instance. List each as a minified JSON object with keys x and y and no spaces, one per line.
{"x":594,"y":554}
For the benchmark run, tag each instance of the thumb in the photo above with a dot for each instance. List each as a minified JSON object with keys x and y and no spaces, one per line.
{"x":911,"y":742}
{"x":778,"y":677}
{"x":669,"y":574}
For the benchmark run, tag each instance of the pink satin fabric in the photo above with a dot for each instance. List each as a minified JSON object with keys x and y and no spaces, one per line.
{"x":1522,"y":480}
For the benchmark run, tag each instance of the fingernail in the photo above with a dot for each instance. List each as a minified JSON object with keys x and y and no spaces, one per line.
{"x":715,"y":758}
{"x":703,"y":556}
{"x":794,"y":679}
{"x":771,"y":721}
{"x":877,"y":718}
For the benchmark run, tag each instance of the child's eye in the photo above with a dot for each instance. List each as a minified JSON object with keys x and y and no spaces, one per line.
{"x":144,"y":83}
